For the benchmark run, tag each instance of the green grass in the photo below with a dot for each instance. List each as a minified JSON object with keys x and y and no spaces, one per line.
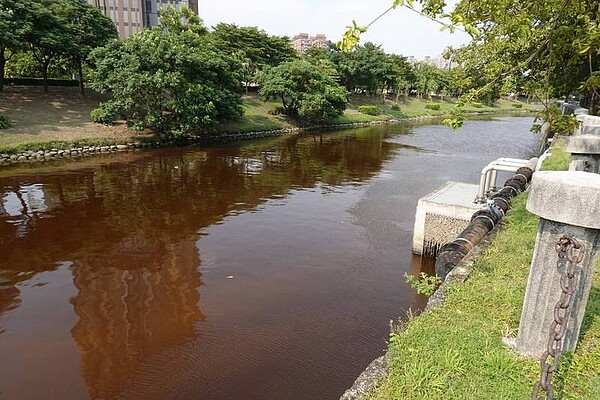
{"x":456,"y":351}
{"x":559,"y":161}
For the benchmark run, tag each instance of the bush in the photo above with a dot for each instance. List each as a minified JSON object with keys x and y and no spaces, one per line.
{"x":369,"y":109}
{"x":102,"y":115}
{"x":517,"y":105}
{"x":277,"y":111}
{"x":395,"y":107}
{"x":4,"y":121}
{"x":477,"y":105}
{"x":432,"y":106}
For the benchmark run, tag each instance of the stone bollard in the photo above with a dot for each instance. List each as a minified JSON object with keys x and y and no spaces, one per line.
{"x":568,"y":203}
{"x":585,"y":153}
{"x":588,"y":124}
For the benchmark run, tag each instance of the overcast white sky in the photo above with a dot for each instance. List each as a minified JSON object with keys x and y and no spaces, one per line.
{"x":400,"y":31}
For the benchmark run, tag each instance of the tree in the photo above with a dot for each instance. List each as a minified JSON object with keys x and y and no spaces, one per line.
{"x":321,"y":57}
{"x":252,"y":47}
{"x":402,"y":76}
{"x":50,"y":34}
{"x":91,"y":29}
{"x":15,"y":25}
{"x":304,"y":90}
{"x":554,"y":44}
{"x":256,"y":45}
{"x":169,"y":79}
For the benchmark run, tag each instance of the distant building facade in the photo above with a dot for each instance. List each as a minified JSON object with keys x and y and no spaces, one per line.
{"x":439,"y":62}
{"x":302,"y":41}
{"x":131,"y":16}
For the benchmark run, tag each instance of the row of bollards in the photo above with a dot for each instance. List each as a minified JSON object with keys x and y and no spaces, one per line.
{"x":564,"y":258}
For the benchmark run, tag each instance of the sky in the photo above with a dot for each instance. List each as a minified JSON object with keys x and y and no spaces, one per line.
{"x":401,"y":31}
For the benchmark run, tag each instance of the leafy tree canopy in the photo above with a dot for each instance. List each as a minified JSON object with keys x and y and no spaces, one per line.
{"x":553,"y":44}
{"x":51,"y":29}
{"x":305,"y":91}
{"x":170,"y":79}
{"x":16,"y":22}
{"x":260,"y":48}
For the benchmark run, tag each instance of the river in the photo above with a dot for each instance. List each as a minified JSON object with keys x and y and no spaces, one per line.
{"x":264,"y":269}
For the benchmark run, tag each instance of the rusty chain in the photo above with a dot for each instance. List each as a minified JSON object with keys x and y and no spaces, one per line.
{"x":568,"y":284}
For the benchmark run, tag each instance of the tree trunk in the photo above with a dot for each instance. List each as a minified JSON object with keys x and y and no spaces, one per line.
{"x":45,"y":75}
{"x":2,"y":67}
{"x":80,"y":69}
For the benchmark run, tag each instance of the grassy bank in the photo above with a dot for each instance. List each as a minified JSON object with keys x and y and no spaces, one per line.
{"x":456,"y":351}
{"x":62,"y":118}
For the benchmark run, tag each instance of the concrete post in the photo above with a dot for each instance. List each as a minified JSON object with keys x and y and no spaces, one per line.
{"x":589,"y":124}
{"x":567,"y":202}
{"x":585,"y":153}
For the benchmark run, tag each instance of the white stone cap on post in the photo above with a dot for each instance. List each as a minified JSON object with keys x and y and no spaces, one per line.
{"x":583,"y":144}
{"x":590,"y":124}
{"x":575,"y":198}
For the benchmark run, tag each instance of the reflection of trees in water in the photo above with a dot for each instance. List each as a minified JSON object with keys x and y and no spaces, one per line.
{"x":128,"y":314}
{"x":130,"y":231}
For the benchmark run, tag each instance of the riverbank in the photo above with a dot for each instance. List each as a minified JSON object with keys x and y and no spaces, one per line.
{"x":456,"y":351}
{"x":60,"y":120}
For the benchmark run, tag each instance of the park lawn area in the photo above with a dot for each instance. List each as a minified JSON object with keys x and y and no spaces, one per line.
{"x":257,"y":117}
{"x":456,"y":351}
{"x":61,"y":118}
{"x":40,"y":120}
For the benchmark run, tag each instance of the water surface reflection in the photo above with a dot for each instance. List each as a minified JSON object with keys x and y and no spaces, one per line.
{"x":263,"y":270}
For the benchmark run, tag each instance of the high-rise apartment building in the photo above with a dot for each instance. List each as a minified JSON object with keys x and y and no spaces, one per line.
{"x":131,"y":16}
{"x":302,"y":42}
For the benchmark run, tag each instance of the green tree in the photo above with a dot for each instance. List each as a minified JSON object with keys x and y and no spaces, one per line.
{"x":425,"y":81}
{"x":169,"y":79}
{"x":305,"y":91}
{"x":321,"y":57}
{"x":402,"y":76}
{"x":552,"y":45}
{"x":256,"y":45}
{"x":366,"y":69}
{"x":51,"y":33}
{"x":252,"y":47}
{"x":15,"y":24}
{"x":23,"y":64}
{"x":90,"y":29}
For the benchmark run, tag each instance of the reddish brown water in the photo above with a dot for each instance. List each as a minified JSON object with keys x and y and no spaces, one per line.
{"x":262,"y":270}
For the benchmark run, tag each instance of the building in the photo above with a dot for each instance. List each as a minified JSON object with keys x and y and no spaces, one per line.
{"x":131,"y":16}
{"x":439,"y":62}
{"x":302,"y":42}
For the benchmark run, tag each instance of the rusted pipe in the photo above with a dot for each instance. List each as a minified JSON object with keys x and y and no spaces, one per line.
{"x":482,"y":222}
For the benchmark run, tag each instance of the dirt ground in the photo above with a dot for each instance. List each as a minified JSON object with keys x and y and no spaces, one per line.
{"x":62,"y":114}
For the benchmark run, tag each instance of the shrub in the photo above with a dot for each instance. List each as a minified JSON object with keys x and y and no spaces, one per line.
{"x":369,"y":109}
{"x":277,"y":111}
{"x":4,"y":121}
{"x":517,"y":105}
{"x":102,"y":115}
{"x":432,"y":106}
{"x":395,"y":107}
{"x":477,"y":105}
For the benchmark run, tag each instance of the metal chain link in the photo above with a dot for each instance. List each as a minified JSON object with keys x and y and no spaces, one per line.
{"x":568,"y":284}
